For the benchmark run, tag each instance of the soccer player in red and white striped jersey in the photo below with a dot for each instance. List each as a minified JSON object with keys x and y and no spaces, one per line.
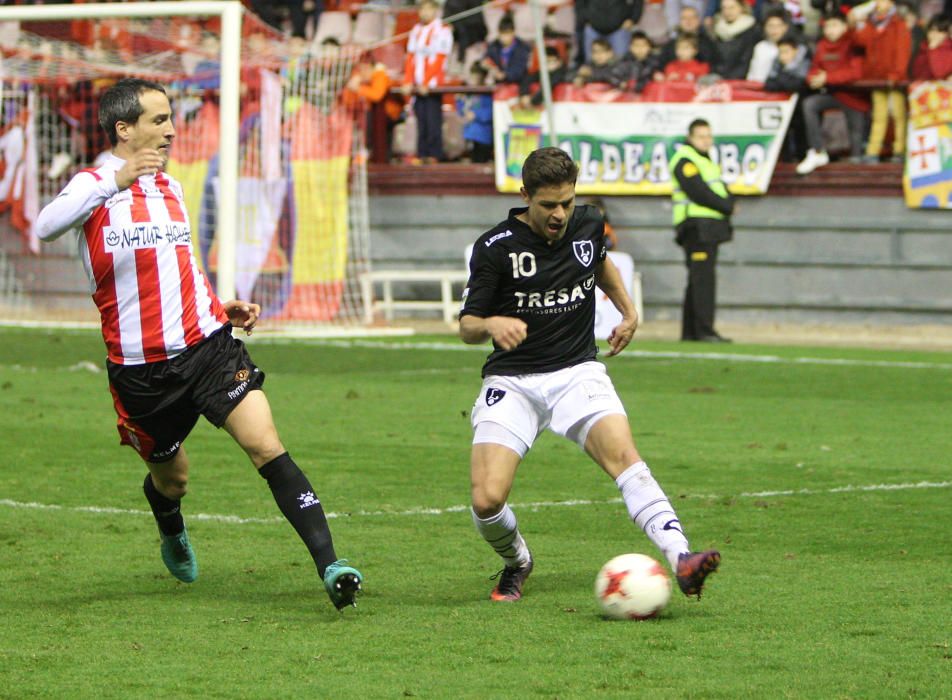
{"x":171,"y":356}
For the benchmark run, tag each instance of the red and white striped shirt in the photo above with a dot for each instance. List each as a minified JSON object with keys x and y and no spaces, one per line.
{"x":428,"y":49}
{"x":136,"y":247}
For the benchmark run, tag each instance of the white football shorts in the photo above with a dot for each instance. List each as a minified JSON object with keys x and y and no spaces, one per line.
{"x":564,"y":401}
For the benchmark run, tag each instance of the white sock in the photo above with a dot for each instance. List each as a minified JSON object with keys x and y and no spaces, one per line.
{"x":502,"y":533}
{"x":652,"y":512}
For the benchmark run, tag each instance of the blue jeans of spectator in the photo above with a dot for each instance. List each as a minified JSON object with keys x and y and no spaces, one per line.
{"x":619,"y":39}
{"x":429,"y":114}
{"x":813,"y":108}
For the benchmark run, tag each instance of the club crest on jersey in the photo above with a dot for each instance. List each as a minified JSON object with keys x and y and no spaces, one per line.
{"x":584,"y":252}
{"x":494,"y":395}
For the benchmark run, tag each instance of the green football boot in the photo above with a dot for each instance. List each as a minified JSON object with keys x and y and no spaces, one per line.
{"x":342,"y":584}
{"x":179,"y":557}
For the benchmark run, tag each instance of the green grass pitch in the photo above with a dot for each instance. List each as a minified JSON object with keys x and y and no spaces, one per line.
{"x":827,"y":589}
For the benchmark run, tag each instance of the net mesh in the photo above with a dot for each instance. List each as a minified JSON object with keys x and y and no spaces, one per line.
{"x":302,"y":238}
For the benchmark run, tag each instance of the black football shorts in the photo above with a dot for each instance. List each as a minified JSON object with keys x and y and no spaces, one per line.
{"x":158,"y":403}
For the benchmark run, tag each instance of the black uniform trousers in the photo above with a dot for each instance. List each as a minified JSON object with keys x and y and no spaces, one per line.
{"x":700,"y":257}
{"x":429,"y":114}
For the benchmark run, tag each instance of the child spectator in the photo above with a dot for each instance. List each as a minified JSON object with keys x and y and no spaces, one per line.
{"x":507,"y":58}
{"x":370,"y":84}
{"x":836,"y":63}
{"x":685,"y":68}
{"x":477,"y":114}
{"x":428,"y":48}
{"x":933,"y":61}
{"x":558,"y":74}
{"x":637,"y":67}
{"x":789,"y":74}
{"x":776,"y":28}
{"x":689,"y":22}
{"x":601,"y":69}
{"x":886,"y":39}
{"x":611,"y":238}
{"x":735,"y":35}
{"x":789,"y":70}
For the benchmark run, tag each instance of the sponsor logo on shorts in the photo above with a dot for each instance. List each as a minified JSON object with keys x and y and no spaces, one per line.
{"x":308,"y":499}
{"x":494,"y":395}
{"x":159,"y":456}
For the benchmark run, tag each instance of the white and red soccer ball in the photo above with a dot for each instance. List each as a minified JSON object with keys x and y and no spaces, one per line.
{"x":632,"y":587}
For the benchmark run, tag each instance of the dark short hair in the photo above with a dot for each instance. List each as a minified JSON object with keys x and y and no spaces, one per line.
{"x":604,"y":43}
{"x":546,"y":167}
{"x":777,"y":12}
{"x":687,"y":38}
{"x":835,"y":16}
{"x":120,"y":103}
{"x":789,"y":41}
{"x":638,"y":34}
{"x":939,"y":24}
{"x":553,"y":52}
{"x":506,"y":24}
{"x":698,"y":123}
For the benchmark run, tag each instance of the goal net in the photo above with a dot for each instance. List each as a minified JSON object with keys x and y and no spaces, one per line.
{"x":302,"y":235}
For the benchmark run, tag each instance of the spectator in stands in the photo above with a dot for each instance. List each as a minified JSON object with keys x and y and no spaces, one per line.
{"x":689,"y":22}
{"x":601,"y":69}
{"x":836,"y":62}
{"x":507,"y":58}
{"x":639,"y":64}
{"x":789,"y":74}
{"x":428,"y":48}
{"x":371,"y":85}
{"x":886,"y":39}
{"x":267,"y":10}
{"x":776,"y":28}
{"x":610,"y":20}
{"x":933,"y":61}
{"x":477,"y":114}
{"x":790,"y":68}
{"x":685,"y":68}
{"x":558,"y":74}
{"x":735,"y":35}
{"x":611,"y":238}
{"x":467,"y":30}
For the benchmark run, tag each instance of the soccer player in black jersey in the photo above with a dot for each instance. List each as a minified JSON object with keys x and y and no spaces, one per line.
{"x":531,"y":291}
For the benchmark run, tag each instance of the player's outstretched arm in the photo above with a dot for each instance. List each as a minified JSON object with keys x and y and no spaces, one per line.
{"x":609,"y":281}
{"x":242,"y":314}
{"x":507,"y":332}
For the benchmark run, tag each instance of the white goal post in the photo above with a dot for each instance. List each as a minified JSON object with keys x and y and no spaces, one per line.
{"x":230,"y":14}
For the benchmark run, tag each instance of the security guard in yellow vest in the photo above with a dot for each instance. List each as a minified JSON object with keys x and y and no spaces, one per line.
{"x":702,"y":207}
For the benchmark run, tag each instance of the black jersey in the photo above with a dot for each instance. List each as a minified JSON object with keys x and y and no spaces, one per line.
{"x":515,"y":272}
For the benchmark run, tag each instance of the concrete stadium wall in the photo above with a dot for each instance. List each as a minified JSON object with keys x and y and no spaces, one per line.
{"x":851,"y":259}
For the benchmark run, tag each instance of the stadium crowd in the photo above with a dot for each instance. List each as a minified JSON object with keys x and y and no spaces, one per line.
{"x":429,"y":69}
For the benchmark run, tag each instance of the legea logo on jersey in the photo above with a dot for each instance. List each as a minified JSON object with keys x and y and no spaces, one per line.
{"x":494,"y":395}
{"x":555,"y":300}
{"x":136,"y":236}
{"x":584,"y":252}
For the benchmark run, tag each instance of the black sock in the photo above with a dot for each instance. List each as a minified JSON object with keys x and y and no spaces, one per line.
{"x":167,"y":512}
{"x":295,"y":497}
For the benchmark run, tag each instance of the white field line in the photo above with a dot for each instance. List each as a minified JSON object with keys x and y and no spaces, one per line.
{"x":656,"y":354}
{"x":575,"y":503}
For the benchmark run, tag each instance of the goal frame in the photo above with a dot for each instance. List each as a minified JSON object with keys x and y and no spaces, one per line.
{"x":230,"y":13}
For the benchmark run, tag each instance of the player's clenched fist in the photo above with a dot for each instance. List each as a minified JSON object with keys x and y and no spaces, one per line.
{"x":507,"y":332}
{"x":148,"y":161}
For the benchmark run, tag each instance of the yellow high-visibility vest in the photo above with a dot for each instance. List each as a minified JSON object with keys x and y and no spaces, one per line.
{"x":683,"y":208}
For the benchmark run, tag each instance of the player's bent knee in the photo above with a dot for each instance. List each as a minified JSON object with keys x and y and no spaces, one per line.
{"x":173,"y":487}
{"x":487,"y":507}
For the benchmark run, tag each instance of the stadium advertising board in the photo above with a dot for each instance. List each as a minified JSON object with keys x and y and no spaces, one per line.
{"x":625,"y":147}
{"x":927,"y":180}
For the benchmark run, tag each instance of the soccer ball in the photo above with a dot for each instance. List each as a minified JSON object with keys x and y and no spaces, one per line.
{"x":632,"y":587}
